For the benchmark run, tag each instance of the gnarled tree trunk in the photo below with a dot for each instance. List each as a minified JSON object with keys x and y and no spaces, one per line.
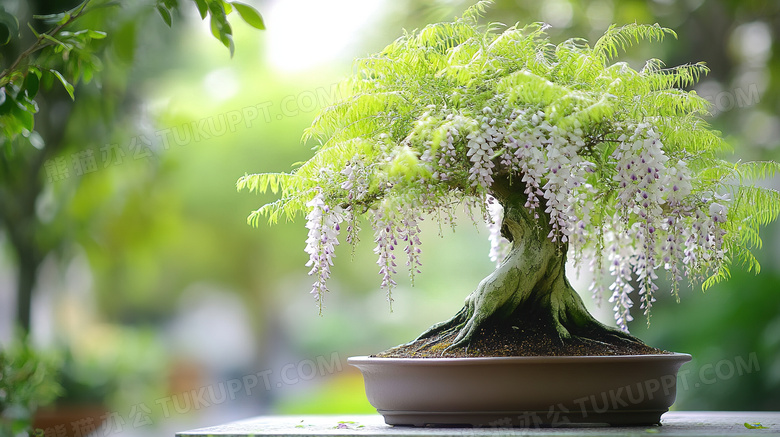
{"x":530,"y":280}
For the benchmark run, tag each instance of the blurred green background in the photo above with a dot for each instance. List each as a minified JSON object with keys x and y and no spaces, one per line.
{"x":169,"y":306}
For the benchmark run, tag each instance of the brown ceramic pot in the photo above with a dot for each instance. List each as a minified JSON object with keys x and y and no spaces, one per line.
{"x":70,"y":420}
{"x":522,"y":391}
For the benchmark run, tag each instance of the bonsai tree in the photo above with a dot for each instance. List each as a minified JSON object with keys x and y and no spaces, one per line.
{"x":567,"y":153}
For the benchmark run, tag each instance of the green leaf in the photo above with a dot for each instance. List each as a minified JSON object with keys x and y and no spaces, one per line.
{"x":9,"y":26}
{"x":28,"y":104}
{"x":165,"y":14}
{"x":215,"y":28}
{"x":250,"y":15}
{"x":230,"y":44}
{"x":58,"y":19}
{"x":221,"y":30}
{"x":80,"y":7}
{"x":755,"y":425}
{"x":31,"y":84}
{"x":64,"y":19}
{"x":23,"y":116}
{"x":68,"y":86}
{"x":260,"y":183}
{"x":87,"y":73}
{"x":5,"y":34}
{"x":35,"y":139}
{"x":203,"y":8}
{"x":9,"y":103}
{"x":216,"y":8}
{"x":96,"y":34}
{"x":56,"y":41}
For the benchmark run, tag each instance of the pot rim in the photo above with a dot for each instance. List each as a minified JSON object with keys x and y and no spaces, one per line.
{"x":674,"y":356}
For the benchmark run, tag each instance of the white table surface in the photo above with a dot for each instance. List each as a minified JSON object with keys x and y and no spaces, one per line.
{"x":676,"y":423}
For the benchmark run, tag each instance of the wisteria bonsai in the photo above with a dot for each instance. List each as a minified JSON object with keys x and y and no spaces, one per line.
{"x":567,"y":154}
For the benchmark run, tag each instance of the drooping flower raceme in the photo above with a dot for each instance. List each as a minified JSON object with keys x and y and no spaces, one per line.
{"x":481,"y":146}
{"x":386,"y":241}
{"x":620,"y":259}
{"x":655,"y":221}
{"x":408,"y":230}
{"x":641,"y":167}
{"x":653,"y":194}
{"x":323,"y":225}
{"x":356,"y":186}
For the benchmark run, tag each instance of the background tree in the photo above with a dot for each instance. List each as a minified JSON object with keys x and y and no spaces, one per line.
{"x":66,"y":47}
{"x":579,"y":152}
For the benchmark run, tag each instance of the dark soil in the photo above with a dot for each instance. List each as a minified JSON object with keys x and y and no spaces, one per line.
{"x":522,"y":336}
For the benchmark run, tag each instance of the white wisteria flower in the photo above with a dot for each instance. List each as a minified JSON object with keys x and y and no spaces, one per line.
{"x":323,"y":225}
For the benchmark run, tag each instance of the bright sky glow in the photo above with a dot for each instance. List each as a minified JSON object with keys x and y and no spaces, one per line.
{"x":304,"y":34}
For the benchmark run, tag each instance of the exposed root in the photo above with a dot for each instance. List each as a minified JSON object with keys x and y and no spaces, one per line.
{"x":455,"y":322}
{"x":531,"y":334}
{"x":494,"y":322}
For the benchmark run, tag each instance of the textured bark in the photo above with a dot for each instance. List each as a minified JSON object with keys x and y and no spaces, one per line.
{"x":531,"y":279}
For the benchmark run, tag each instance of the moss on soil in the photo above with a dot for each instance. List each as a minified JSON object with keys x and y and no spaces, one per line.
{"x":522,"y":336}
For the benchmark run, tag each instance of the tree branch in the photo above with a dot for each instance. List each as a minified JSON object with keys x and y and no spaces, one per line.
{"x":40,"y":43}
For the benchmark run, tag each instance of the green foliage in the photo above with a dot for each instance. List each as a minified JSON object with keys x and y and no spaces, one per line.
{"x":289,"y":203}
{"x":27,"y":381}
{"x":20,"y":81}
{"x":218,"y":11}
{"x":753,"y":207}
{"x":68,"y":53}
{"x":400,"y":103}
{"x":460,"y":66}
{"x":618,"y":39}
{"x":9,"y":26}
{"x":250,"y":15}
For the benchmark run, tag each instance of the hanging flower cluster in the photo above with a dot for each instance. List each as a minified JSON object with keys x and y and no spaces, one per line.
{"x":323,"y":225}
{"x":481,"y":146}
{"x":448,"y":154}
{"x":385,"y":239}
{"x":620,"y":266}
{"x":654,"y":194}
{"x":656,"y":222}
{"x":356,"y":186}
{"x":409,"y":232}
